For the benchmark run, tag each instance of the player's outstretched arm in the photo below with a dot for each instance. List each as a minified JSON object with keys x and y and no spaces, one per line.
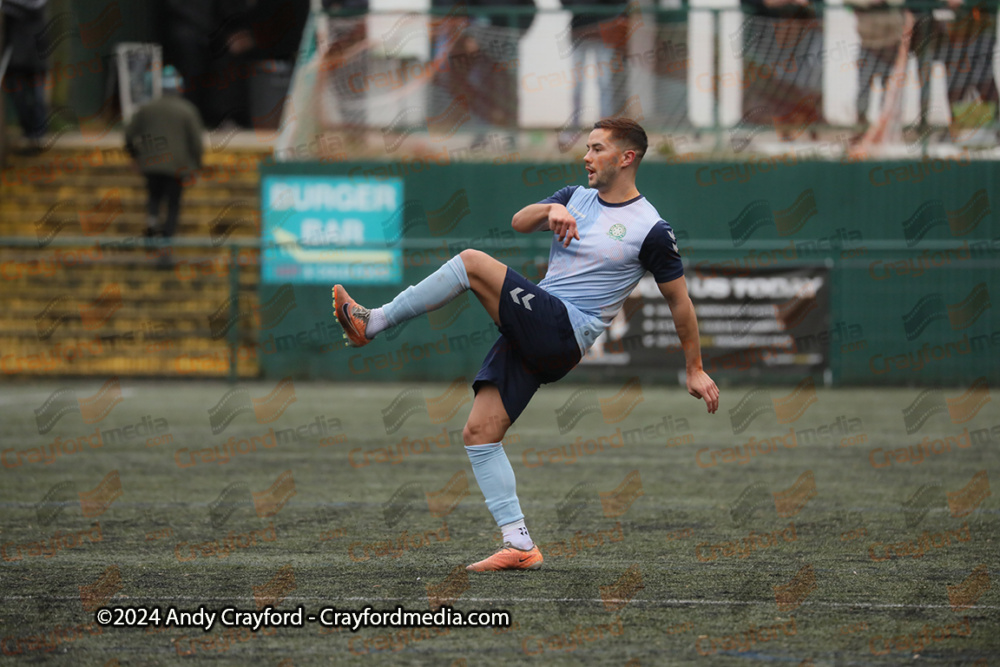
{"x":539,"y":217}
{"x":699,"y":384}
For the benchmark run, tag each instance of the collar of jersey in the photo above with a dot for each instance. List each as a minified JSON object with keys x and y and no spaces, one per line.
{"x":624,"y":203}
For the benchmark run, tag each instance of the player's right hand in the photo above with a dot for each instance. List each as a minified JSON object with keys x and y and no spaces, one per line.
{"x":563,"y":224}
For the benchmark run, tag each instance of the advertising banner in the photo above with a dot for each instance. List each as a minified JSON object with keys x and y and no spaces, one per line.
{"x":754,"y":321}
{"x":327,"y":229}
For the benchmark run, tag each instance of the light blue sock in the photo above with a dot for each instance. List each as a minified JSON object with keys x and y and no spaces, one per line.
{"x":430,"y":293}
{"x":496,"y":479}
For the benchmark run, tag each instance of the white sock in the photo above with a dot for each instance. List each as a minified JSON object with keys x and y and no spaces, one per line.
{"x":517,"y":534}
{"x":376,"y":323}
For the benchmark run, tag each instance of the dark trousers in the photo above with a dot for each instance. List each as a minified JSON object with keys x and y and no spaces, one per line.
{"x":873,"y":63}
{"x":160,"y":187}
{"x":27,"y":90}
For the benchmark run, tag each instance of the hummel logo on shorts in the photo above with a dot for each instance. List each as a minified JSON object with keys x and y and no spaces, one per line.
{"x":528,"y":296}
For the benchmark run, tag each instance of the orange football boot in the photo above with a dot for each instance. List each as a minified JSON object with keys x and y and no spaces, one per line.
{"x":509,"y":558}
{"x":352,"y":317}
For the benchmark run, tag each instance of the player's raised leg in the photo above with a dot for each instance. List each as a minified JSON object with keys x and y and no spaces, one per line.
{"x":470,"y":269}
{"x":486,"y":276}
{"x":487,"y":424}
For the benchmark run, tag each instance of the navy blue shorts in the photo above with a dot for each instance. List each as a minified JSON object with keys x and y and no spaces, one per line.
{"x":536,"y":344}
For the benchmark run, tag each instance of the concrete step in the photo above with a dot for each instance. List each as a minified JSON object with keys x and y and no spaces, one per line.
{"x":129,"y":257}
{"x":93,"y":357}
{"x":132,"y":225}
{"x":82,"y":290}
{"x":57,"y":166}
{"x":235,"y":188}
{"x":210,"y":178}
{"x":147,"y":303}
{"x":108,"y":308}
{"x":70,"y":199}
{"x":42,"y":283}
{"x":95,"y":154}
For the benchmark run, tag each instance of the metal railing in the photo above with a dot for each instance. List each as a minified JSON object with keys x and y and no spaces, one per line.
{"x":239,"y":277}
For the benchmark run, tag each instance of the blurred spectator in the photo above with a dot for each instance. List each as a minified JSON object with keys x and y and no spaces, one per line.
{"x":925,"y":43}
{"x":596,"y":34}
{"x":25,"y":47}
{"x":227,"y":98}
{"x":968,"y":43}
{"x":503,"y":53}
{"x":671,"y":66}
{"x":345,"y":58}
{"x":187,"y":46}
{"x":164,"y":138}
{"x":275,"y":28}
{"x":218,"y":44}
{"x":782,"y":49}
{"x":480,"y":74}
{"x":266,"y":49}
{"x":880,"y":27}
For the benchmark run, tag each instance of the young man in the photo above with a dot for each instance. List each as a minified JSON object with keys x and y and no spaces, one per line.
{"x":605,"y":238}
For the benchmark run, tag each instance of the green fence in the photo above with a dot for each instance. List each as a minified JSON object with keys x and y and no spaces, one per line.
{"x":912,"y":246}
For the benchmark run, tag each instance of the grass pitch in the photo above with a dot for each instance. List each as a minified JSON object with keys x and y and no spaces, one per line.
{"x":803,"y":553}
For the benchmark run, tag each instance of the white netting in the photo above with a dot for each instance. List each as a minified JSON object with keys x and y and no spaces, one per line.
{"x":411,"y":75}
{"x":417,"y":83}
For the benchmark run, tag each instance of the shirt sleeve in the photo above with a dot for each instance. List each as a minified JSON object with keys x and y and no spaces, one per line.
{"x":560,"y":196}
{"x":659,"y":254}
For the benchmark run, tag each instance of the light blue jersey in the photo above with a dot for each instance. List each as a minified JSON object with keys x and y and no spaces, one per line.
{"x":618,"y":244}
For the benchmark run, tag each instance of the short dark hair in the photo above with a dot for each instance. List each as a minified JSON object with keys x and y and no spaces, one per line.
{"x":625,"y":131}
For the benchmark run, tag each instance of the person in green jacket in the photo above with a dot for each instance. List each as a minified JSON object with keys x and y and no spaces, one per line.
{"x":164,"y":137}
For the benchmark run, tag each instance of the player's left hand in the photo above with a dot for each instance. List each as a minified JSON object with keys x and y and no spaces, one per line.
{"x":701,"y":386}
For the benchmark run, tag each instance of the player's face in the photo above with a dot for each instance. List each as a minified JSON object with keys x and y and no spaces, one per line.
{"x":602,"y":160}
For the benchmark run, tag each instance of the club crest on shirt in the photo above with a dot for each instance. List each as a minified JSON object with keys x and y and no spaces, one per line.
{"x":617,"y":231}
